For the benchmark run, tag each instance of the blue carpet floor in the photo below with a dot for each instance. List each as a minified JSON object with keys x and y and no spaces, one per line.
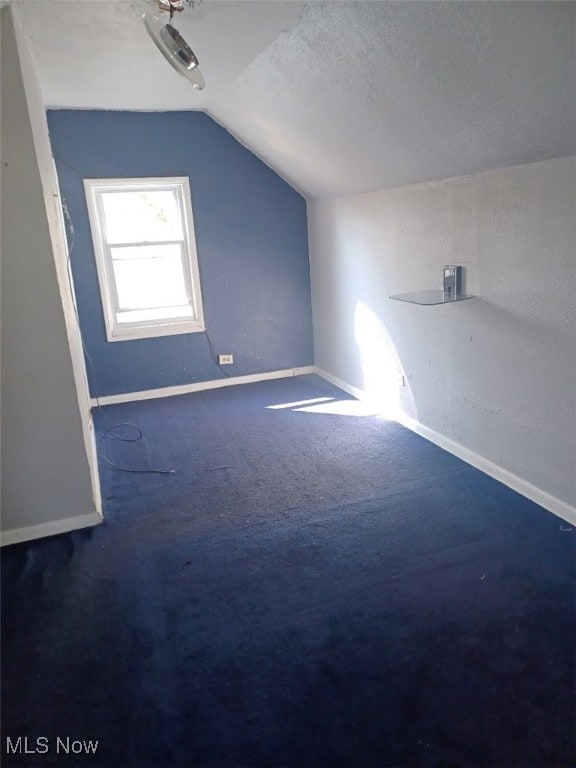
{"x":308,"y":589}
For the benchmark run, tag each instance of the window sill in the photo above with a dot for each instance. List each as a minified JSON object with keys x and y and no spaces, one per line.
{"x":133,"y":333}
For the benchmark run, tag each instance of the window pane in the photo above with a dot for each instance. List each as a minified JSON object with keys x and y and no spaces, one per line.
{"x":153,"y":277}
{"x":140,"y":216}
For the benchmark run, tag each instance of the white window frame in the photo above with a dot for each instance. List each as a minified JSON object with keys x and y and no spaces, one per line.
{"x":122,"y":331}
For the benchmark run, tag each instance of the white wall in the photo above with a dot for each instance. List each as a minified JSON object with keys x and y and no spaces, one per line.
{"x":53,"y":206}
{"x":46,"y":481}
{"x":496,"y":375}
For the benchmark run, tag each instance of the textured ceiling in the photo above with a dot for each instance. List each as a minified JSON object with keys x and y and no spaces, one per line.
{"x":341,"y":96}
{"x":97,"y":54}
{"x":362,"y":96}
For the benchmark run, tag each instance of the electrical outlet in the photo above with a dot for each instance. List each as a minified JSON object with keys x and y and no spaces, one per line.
{"x":225,"y":359}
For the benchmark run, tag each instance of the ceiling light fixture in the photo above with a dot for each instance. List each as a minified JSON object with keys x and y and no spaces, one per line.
{"x":171,"y":43}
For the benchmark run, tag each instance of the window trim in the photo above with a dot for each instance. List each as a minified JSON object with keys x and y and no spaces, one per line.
{"x":117,"y":331}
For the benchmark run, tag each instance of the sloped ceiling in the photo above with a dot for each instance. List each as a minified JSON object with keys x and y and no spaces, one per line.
{"x":339,"y":97}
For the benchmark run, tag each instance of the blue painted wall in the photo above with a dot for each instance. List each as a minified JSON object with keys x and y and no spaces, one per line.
{"x":251,"y":235}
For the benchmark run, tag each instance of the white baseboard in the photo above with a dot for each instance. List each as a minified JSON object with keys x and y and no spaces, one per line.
{"x":340,"y":383}
{"x":199,"y":386}
{"x":553,"y":504}
{"x":17,"y":535}
{"x":558,"y":507}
